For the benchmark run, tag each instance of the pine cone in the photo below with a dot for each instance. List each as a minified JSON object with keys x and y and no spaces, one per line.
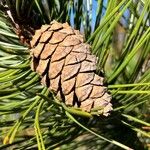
{"x":67,"y":67}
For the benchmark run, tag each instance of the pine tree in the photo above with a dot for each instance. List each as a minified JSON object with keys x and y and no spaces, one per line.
{"x":57,"y":114}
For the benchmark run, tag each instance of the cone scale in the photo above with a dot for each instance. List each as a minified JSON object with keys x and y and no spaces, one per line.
{"x":67,"y":67}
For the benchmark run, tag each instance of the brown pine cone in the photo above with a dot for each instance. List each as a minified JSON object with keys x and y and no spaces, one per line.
{"x":68,"y":68}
